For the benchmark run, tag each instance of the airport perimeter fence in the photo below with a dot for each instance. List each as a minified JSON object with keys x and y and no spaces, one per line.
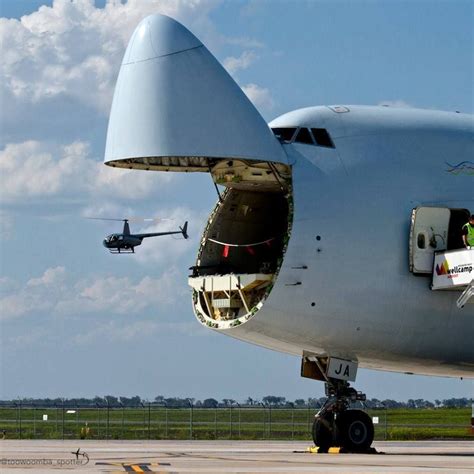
{"x":152,"y":421}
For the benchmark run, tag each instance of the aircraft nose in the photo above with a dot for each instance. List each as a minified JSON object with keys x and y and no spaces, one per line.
{"x":173,"y":99}
{"x":156,"y":36}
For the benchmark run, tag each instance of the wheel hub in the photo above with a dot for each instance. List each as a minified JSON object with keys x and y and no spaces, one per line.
{"x":357,"y":432}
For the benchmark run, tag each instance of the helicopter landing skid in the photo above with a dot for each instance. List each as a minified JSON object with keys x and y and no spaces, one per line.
{"x":132,"y":250}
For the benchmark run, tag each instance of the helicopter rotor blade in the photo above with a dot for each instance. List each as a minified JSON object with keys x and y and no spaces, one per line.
{"x":106,"y":219}
{"x":147,"y":219}
{"x":131,"y":219}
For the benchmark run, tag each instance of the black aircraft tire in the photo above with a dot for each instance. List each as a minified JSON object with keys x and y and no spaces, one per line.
{"x":356,"y":431}
{"x":322,"y":433}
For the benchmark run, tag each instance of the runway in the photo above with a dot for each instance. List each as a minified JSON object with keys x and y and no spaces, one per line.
{"x":168,"y":457}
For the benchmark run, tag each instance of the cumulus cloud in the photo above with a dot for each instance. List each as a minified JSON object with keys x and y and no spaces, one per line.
{"x":60,"y":63}
{"x":56,"y":292}
{"x":18,"y":304}
{"x":52,"y":276}
{"x":260,"y":96}
{"x":161,"y":251}
{"x":130,"y":184}
{"x":234,"y":64}
{"x":29,"y":169}
{"x":35,"y":169}
{"x":74,"y":49}
{"x":120,"y":295}
{"x":37,"y":295}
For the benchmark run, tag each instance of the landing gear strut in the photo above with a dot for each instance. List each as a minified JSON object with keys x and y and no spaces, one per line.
{"x":337,"y":425}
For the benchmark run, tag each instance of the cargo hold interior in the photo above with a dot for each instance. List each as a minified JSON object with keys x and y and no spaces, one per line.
{"x":244,"y":241}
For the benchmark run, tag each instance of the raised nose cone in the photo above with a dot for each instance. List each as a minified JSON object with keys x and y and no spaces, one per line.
{"x":158,"y":35}
{"x":175,"y":106}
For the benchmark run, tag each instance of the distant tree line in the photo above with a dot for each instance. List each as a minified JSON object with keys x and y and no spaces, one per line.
{"x":268,"y":401}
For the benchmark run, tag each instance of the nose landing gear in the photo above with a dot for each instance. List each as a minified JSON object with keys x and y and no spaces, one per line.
{"x":337,"y":425}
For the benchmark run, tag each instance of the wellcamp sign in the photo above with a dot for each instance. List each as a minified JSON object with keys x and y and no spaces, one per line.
{"x":453,"y":268}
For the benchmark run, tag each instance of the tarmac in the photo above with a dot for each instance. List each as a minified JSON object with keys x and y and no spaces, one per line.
{"x":169,"y":457}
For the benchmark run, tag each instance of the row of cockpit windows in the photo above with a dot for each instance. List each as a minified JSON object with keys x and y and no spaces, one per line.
{"x":313,"y":136}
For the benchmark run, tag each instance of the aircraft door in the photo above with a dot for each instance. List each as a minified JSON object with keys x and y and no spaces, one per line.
{"x":428,"y":234}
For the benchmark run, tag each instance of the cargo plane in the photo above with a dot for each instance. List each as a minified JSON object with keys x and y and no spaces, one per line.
{"x":338,"y":235}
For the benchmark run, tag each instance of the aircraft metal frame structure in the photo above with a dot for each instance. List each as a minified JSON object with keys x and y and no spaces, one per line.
{"x":322,"y":245}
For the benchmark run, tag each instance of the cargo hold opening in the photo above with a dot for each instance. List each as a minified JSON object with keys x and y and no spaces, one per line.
{"x":246,"y":235}
{"x":243,"y":244}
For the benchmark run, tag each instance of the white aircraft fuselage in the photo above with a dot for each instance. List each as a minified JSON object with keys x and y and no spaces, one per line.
{"x":358,"y":198}
{"x":313,"y":249}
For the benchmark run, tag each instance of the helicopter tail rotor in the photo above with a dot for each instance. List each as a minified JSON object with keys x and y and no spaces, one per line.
{"x":184,"y":230}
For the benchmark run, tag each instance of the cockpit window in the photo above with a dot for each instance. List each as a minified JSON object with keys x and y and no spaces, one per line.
{"x":285,"y":134}
{"x":322,"y":137}
{"x":304,"y":136}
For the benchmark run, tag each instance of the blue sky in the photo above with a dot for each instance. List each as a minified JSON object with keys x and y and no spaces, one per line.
{"x":77,"y":321}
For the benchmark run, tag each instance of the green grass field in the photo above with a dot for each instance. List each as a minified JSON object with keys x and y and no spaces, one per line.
{"x":222,"y":423}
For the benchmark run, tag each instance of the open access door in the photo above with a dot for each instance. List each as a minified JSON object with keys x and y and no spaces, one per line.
{"x":428,"y":234}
